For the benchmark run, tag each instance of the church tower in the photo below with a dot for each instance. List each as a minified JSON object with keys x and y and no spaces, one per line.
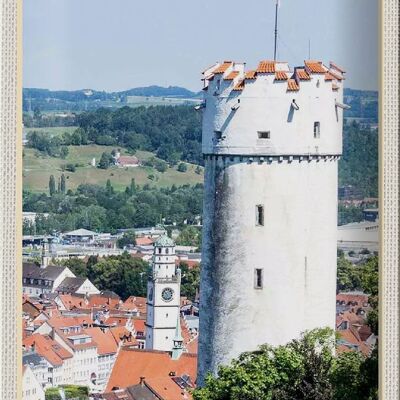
{"x":163,"y":297}
{"x":272,"y":138}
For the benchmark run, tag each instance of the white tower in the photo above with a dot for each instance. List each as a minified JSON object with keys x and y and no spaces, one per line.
{"x":272,"y":138}
{"x":163,"y":297}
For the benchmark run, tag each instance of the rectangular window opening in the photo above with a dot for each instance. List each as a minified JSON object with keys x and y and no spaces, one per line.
{"x":258,"y":278}
{"x":260,"y":215}
{"x":264,"y":134}
{"x":317,"y":129}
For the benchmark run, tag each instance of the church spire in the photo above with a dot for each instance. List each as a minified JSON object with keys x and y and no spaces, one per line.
{"x":177,"y":350}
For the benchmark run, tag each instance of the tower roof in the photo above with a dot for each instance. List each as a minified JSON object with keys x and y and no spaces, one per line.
{"x":164,"y":241}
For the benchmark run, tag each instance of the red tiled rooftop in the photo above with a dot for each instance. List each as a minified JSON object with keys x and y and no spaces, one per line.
{"x":266,"y":67}
{"x":315,"y":67}
{"x":231,"y":76}
{"x":252,"y":74}
{"x":292,"y":86}
{"x":302,"y":75}
{"x":104,"y":340}
{"x":223,"y":67}
{"x":144,"y":241}
{"x":46,"y":347}
{"x":335,"y":66}
{"x":131,"y":364}
{"x":280,"y":76}
{"x":167,"y":389}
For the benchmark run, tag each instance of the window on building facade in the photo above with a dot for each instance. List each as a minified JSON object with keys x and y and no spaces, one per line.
{"x":258,"y":278}
{"x":317,"y":128}
{"x":259,"y":215}
{"x":159,"y":250}
{"x":264,"y":134}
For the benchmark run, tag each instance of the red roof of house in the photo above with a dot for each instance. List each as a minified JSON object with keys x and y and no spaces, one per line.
{"x":292,"y":85}
{"x":314,"y":67}
{"x":302,"y":74}
{"x":46,"y":347}
{"x":135,"y":303}
{"x":266,"y":67}
{"x":139,"y":325}
{"x":223,"y":67}
{"x":280,"y":76}
{"x":105,"y":340}
{"x":167,"y":389}
{"x":131,"y":364}
{"x":231,"y":76}
{"x":71,"y":301}
{"x":128,"y":160}
{"x":144,"y":241}
{"x":250,"y":74}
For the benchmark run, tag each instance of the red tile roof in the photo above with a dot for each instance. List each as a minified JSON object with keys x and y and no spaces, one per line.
{"x":336,"y":75}
{"x":266,"y":67}
{"x":167,"y":389}
{"x":103,"y":301}
{"x":314,"y":67}
{"x":105,"y":340}
{"x":302,"y":74}
{"x":139,"y":325}
{"x":250,"y":74}
{"x":292,"y":86}
{"x":281,"y":76}
{"x":71,"y":301}
{"x":144,"y":241}
{"x":329,"y":76}
{"x":135,"y":303}
{"x":66,"y":322}
{"x":335,"y":66}
{"x":46,"y":347}
{"x":231,"y":76}
{"x":223,"y":67}
{"x":131,"y":364}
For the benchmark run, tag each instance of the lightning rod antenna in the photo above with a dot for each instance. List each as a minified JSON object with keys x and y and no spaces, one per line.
{"x":276,"y":27}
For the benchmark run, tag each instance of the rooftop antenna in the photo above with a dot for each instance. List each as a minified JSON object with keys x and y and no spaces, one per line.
{"x":276,"y":27}
{"x":309,"y":49}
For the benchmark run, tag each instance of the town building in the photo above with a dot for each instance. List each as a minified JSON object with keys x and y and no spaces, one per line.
{"x":272,"y":138}
{"x":163,"y":297}
{"x":32,"y":389}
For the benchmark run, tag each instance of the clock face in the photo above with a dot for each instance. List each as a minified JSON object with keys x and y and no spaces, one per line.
{"x":167,"y":294}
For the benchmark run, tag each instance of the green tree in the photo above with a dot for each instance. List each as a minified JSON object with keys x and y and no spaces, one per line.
{"x":300,"y":370}
{"x":64,"y":152}
{"x":189,"y":236}
{"x":106,"y":160}
{"x":63,"y":185}
{"x":133,"y":186}
{"x":182,"y":167}
{"x":190,"y":281}
{"x":52,"y":185}
{"x":109,"y":188}
{"x":198,"y":170}
{"x":128,"y":238}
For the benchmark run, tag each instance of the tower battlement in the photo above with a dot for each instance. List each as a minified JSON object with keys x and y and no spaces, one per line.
{"x":273,"y":110}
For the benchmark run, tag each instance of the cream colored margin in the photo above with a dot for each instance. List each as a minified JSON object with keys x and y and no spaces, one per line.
{"x":10,"y":199}
{"x":389,"y":201}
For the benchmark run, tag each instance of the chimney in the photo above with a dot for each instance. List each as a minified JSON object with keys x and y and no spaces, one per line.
{"x":142,"y":378}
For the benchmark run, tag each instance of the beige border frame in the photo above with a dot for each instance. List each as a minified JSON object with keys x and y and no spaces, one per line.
{"x":11,"y":199}
{"x":389,"y":126}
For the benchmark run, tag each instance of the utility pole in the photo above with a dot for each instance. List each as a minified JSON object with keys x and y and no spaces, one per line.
{"x":276,"y":27}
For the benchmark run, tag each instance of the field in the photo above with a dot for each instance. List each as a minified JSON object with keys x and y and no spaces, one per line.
{"x":38,"y":168}
{"x":53,"y":131}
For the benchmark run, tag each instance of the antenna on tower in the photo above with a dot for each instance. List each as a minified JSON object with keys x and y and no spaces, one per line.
{"x":309,"y":48}
{"x":276,"y":27}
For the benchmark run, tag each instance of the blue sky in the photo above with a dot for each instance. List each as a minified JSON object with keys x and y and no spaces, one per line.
{"x":120,"y":44}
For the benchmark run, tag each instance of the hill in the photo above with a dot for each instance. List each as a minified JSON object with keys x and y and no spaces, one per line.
{"x":38,"y":167}
{"x":88,"y":99}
